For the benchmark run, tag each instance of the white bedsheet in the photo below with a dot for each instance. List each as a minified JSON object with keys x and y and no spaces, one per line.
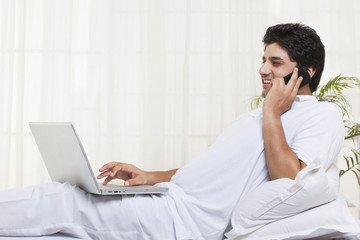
{"x":57,"y":236}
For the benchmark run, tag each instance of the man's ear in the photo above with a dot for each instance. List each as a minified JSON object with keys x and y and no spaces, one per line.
{"x":311,"y":71}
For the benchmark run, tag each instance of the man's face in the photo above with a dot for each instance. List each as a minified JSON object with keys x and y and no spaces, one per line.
{"x":276,"y":63}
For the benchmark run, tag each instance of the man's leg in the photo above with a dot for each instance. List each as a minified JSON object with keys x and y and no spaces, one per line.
{"x":55,"y":207}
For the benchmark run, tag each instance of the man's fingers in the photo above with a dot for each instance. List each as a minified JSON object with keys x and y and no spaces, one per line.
{"x":129,"y":169}
{"x":131,"y":182}
{"x":116,"y":168}
{"x":297,"y":85}
{"x":134,"y":181}
{"x":108,"y":166}
{"x":293,"y":78}
{"x":128,"y":183}
{"x":107,"y":180}
{"x":104,"y":174}
{"x":107,"y":169}
{"x":121,"y":167}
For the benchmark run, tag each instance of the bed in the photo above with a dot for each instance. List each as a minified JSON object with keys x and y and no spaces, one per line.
{"x":59,"y":236}
{"x":284,"y":209}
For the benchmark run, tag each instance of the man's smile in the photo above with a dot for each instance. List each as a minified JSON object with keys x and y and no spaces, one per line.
{"x":266,"y":80}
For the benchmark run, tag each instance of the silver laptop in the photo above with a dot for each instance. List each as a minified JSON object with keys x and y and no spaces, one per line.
{"x":66,"y":161}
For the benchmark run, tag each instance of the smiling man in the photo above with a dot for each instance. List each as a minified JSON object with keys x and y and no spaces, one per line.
{"x":286,"y":46}
{"x":288,"y":133}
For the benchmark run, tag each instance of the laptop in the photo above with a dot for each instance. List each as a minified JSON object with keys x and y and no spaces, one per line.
{"x":66,"y":161}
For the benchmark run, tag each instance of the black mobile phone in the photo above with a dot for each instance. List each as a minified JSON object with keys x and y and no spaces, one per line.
{"x":303,"y":72}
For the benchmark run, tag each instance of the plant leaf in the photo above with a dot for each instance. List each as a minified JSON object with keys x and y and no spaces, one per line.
{"x":256,"y":102}
{"x":357,"y":176}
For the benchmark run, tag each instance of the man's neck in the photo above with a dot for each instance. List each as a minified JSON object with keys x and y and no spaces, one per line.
{"x":305,"y":90}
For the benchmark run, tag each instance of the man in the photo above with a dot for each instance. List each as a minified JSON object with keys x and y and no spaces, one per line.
{"x":277,"y":141}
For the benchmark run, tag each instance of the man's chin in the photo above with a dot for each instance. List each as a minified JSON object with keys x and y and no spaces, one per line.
{"x":264,"y":93}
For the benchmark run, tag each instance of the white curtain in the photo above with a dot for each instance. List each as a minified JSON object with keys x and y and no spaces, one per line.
{"x":146,"y":82}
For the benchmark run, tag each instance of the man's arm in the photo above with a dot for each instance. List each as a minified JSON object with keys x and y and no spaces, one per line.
{"x":162,"y":176}
{"x":281,"y":161}
{"x":133,"y":175}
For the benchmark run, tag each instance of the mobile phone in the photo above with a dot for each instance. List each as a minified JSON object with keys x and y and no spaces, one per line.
{"x":303,"y":72}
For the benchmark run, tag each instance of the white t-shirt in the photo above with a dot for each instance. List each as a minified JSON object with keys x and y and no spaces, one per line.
{"x":204,"y":193}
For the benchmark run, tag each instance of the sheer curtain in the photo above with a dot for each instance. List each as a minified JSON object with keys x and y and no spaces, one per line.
{"x":146,"y":82}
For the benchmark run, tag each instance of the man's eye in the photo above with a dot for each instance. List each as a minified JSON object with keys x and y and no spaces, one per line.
{"x":276,"y":63}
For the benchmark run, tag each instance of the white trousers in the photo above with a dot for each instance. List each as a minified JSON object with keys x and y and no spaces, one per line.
{"x":55,"y":207}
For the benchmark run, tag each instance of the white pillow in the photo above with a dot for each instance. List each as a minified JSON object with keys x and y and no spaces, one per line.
{"x":331,"y":219}
{"x":284,"y":197}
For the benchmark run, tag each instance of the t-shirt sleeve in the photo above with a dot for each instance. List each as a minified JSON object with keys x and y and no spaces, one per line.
{"x":320,"y":137}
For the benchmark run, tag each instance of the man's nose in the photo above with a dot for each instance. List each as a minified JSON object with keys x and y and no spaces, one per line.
{"x":265,"y":69}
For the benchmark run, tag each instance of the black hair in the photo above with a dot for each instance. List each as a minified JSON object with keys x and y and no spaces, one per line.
{"x":302,"y":44}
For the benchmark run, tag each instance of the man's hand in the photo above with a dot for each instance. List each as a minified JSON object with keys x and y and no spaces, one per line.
{"x":281,"y":96}
{"x":133,"y":175}
{"x":127,"y":172}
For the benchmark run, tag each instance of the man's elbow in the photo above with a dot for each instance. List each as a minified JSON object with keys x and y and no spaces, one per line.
{"x":289,"y":171}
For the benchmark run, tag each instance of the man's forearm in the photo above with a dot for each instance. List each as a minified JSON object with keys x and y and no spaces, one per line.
{"x":162,"y":176}
{"x":281,"y":161}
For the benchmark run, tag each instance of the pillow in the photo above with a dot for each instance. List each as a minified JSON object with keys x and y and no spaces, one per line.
{"x":329,"y":220}
{"x":282,"y":198}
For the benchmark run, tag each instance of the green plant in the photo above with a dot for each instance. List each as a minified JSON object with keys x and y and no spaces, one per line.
{"x":353,"y":164}
{"x":334,"y":92}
